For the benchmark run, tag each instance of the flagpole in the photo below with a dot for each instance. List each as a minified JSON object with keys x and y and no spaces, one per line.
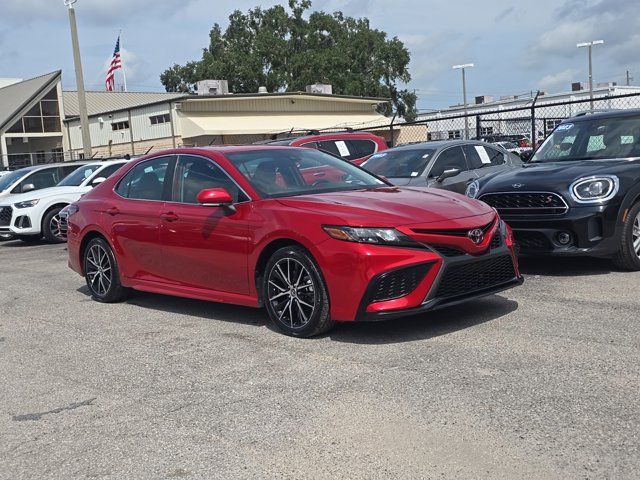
{"x":124,"y":76}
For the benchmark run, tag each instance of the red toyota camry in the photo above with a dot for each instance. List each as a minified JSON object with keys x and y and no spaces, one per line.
{"x":312,"y":238}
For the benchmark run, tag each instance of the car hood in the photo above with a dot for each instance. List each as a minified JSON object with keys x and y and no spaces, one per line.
{"x":43,"y":193}
{"x":550,"y":176}
{"x":390,"y":207}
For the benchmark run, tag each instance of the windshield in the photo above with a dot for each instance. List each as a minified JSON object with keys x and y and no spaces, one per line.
{"x":7,"y":180}
{"x":294,"y":171}
{"x":399,"y":163}
{"x":592,"y":140}
{"x":75,"y":178}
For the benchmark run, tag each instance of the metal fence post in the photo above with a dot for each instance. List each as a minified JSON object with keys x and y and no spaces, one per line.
{"x":533,"y":120}
{"x":392,"y":140}
{"x":478,"y":127}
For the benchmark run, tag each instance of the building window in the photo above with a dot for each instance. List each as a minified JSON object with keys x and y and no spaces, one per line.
{"x":486,"y":131}
{"x":43,"y":117}
{"x":551,"y":124}
{"x":120,"y":125}
{"x":454,"y":134}
{"x":57,"y":154}
{"x":157,"y":119}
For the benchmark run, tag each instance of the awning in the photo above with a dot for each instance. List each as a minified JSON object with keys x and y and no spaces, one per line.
{"x":195,"y":125}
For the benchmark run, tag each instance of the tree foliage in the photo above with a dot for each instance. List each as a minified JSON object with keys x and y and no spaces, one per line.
{"x":287,"y":49}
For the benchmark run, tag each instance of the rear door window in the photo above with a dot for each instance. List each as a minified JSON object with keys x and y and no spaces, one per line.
{"x":450,"y":158}
{"x":361,"y":148}
{"x":146,"y":181}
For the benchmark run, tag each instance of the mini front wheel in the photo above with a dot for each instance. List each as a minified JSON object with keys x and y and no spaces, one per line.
{"x":628,"y":256}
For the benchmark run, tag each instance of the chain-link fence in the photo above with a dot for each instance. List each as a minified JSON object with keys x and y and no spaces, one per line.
{"x":530,"y":123}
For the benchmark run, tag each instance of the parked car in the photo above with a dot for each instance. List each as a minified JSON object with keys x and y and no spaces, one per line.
{"x":522,"y":152}
{"x":519,"y":139}
{"x":29,"y":179}
{"x":247,"y":225}
{"x":448,"y":164}
{"x":580,"y":192}
{"x":355,"y":147}
{"x":35,"y":214}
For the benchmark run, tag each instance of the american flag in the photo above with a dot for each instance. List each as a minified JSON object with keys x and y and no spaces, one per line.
{"x":116,"y":64}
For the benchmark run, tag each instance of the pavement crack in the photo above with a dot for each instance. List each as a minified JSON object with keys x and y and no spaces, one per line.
{"x":38,"y":416}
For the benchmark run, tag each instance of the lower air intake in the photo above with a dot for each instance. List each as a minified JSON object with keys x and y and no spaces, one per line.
{"x":398,"y":283}
{"x":467,"y":278}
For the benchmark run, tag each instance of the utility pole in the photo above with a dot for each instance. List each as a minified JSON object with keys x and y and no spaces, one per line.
{"x":629,"y":78}
{"x":464,"y":96}
{"x":590,"y":46}
{"x":82,"y":99}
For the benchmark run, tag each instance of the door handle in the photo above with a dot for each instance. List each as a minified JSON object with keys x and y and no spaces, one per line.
{"x":169,"y":216}
{"x":319,"y":174}
{"x":112,"y":211}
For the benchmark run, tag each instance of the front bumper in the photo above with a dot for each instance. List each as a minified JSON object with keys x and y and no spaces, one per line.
{"x":593,"y":231}
{"x":18,"y":221}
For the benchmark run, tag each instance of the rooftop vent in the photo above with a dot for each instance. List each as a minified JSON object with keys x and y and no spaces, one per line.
{"x":212,"y":87}
{"x":320,"y":88}
{"x":262,"y":90}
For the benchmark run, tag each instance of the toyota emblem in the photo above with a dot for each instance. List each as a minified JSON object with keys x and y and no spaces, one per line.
{"x":476,"y":236}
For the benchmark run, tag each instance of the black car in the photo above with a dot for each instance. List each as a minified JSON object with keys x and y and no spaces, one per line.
{"x":447,"y":164}
{"x":579,"y":194}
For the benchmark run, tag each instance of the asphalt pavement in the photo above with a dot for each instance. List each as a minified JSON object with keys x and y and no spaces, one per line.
{"x":541,"y":381}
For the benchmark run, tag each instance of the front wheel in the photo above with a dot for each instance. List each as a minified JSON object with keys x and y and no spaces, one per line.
{"x":295,"y":294}
{"x":101,"y":272}
{"x":628,"y":256}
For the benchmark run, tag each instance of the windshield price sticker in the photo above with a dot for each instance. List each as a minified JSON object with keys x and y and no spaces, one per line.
{"x":342,"y":148}
{"x":564,"y":127}
{"x":484,"y":156}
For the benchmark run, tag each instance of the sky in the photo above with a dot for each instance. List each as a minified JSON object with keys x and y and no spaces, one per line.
{"x":516,"y":46}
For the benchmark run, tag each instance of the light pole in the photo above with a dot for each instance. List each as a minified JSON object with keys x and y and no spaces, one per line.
{"x":82,"y":99}
{"x":464,"y":96}
{"x":590,"y":45}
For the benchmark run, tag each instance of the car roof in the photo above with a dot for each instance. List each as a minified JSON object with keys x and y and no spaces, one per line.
{"x":591,"y":115}
{"x":437,"y":144}
{"x":318,"y":136}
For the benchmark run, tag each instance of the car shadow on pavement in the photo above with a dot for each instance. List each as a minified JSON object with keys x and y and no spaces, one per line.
{"x":564,"y":266}
{"x":197,"y":308}
{"x":427,"y":325}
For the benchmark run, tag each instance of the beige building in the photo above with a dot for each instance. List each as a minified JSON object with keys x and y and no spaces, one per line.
{"x":136,"y":123}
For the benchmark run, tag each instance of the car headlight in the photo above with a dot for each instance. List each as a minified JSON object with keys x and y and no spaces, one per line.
{"x":596,"y":189}
{"x":67,"y":211}
{"x":472,"y":189}
{"x":26,"y":204}
{"x":375,"y":236}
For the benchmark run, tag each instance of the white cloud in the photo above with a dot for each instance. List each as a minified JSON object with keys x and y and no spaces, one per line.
{"x":559,"y":81}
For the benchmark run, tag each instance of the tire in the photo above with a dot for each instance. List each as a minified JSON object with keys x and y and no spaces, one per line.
{"x":52,"y":228}
{"x":295,"y":294}
{"x":628,"y":255}
{"x":101,"y":272}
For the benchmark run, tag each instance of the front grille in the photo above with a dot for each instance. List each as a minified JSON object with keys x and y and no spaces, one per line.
{"x":466,"y":278}
{"x":532,"y":240}
{"x":452,"y":232}
{"x":5,"y":216}
{"x":398,"y":283}
{"x":526,"y":203}
{"x":447,"y":251}
{"x":496,"y":241}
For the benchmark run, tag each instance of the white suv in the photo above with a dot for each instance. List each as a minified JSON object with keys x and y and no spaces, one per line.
{"x":30,"y":216}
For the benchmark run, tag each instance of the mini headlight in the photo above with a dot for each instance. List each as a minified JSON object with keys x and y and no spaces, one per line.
{"x":472,"y":189}
{"x":596,"y":189}
{"x":26,"y":204}
{"x":379,"y":236}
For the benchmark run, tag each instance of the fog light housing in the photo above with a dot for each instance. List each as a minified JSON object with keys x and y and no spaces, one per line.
{"x":563,"y":238}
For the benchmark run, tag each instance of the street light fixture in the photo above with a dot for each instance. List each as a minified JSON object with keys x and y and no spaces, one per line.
{"x":82,"y":100}
{"x":590,"y":45}
{"x":464,"y":96}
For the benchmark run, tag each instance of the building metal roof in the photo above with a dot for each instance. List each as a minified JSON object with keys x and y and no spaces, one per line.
{"x":105,"y":102}
{"x":15,"y":97}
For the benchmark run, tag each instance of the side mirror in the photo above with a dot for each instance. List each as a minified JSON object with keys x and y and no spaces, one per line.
{"x":214,"y":197}
{"x":28,"y":187}
{"x":97,"y":181}
{"x":452,"y":172}
{"x":526,"y":155}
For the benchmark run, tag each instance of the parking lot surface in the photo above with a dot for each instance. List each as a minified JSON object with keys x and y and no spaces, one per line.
{"x":538,"y":382}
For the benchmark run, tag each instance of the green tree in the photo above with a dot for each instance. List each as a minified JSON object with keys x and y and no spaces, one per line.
{"x":287,"y":49}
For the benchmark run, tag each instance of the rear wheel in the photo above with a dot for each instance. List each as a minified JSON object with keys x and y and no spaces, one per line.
{"x":295,"y":294}
{"x":53,"y":228}
{"x":628,"y":256}
{"x":101,"y":272}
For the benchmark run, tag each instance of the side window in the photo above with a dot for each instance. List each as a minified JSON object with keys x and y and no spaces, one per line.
{"x":361,"y":148}
{"x":313,"y":145}
{"x":331,"y":147}
{"x":67,"y":169}
{"x":194,"y":174}
{"x":146,"y":180}
{"x":110,"y":170}
{"x":448,"y":159}
{"x":40,"y":179}
{"x":496,"y":157}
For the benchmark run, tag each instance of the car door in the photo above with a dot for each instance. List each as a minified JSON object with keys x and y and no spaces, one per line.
{"x":447,"y":159}
{"x":203,"y":246}
{"x":132,"y":217}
